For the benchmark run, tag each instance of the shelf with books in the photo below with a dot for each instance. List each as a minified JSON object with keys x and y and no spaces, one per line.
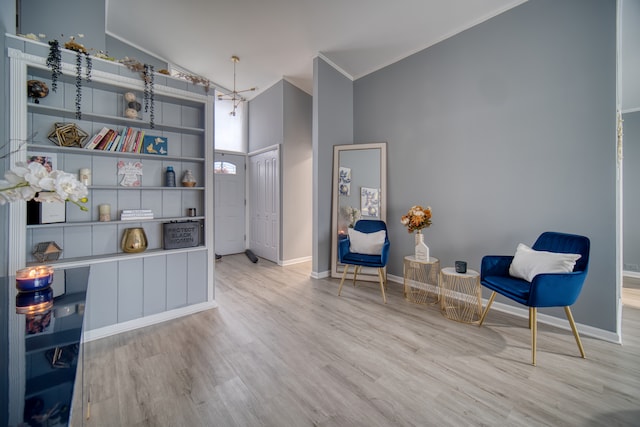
{"x":50,"y":148}
{"x":66,"y":113}
{"x":183,"y":123}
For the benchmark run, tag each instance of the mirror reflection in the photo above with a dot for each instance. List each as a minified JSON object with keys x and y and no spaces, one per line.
{"x":359,"y":192}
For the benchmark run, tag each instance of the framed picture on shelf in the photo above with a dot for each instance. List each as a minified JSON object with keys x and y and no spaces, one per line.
{"x":48,"y":160}
{"x":155,"y":145}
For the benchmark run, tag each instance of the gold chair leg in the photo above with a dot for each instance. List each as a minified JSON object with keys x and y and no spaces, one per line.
{"x":567,"y":310}
{"x":486,"y":309}
{"x":381,"y":277}
{"x":356,"y":270}
{"x":344,"y":274}
{"x":533,"y":321}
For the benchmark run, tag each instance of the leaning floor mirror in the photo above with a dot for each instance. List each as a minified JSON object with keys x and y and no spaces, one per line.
{"x":359,"y":192}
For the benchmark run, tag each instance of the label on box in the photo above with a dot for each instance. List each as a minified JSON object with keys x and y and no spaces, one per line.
{"x":180,"y":234}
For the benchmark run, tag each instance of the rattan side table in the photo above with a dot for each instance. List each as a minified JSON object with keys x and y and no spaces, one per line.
{"x":421,"y":280}
{"x":460,"y":295}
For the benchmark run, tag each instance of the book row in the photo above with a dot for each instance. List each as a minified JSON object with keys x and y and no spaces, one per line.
{"x":128,"y":140}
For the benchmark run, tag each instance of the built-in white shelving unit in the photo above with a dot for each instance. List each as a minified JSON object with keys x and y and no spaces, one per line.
{"x":126,"y":290}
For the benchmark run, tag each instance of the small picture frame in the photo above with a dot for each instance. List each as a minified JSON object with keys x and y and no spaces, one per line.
{"x":48,"y":160}
{"x":370,"y":202}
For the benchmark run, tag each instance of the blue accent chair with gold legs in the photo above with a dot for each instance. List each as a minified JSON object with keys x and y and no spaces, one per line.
{"x":544,"y":290}
{"x":358,"y":260}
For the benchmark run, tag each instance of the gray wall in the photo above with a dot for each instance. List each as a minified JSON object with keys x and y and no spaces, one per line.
{"x":63,"y":18}
{"x":631,"y":196}
{"x":296,"y":177}
{"x":506,"y":130}
{"x":333,"y":104}
{"x":266,"y":118}
{"x":119,"y":49}
{"x":282,"y":115}
{"x":630,"y":53}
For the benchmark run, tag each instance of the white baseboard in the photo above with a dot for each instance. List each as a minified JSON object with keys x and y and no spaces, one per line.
{"x":295,"y":261}
{"x":130,"y":325}
{"x":320,"y":275}
{"x":634,"y":274}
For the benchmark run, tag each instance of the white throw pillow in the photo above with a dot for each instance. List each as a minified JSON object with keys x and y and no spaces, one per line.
{"x":366,"y":243}
{"x":528,"y":263}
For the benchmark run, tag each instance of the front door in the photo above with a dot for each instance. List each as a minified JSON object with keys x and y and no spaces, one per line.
{"x":229,"y":199}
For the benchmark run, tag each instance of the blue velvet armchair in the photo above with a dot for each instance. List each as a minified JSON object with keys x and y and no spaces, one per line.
{"x":545,"y":290}
{"x":359,"y":260}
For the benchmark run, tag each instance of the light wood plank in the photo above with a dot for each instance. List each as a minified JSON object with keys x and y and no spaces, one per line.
{"x":283,"y":349}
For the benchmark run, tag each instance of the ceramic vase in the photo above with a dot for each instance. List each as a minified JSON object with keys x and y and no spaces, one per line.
{"x":422,"y":250}
{"x":134,"y":240}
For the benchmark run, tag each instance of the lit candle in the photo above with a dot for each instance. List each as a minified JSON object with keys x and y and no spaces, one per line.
{"x":34,"y":278}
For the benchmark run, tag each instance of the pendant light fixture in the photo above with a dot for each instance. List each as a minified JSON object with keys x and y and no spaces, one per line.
{"x":234,"y":96}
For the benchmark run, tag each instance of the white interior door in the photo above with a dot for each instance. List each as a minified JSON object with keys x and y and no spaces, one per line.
{"x":229,"y":181}
{"x":264,"y":202}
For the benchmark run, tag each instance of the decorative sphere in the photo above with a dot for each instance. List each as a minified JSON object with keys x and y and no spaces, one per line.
{"x":131,"y":113}
{"x":37,"y":89}
{"x":129,"y":97}
{"x":135,"y":105}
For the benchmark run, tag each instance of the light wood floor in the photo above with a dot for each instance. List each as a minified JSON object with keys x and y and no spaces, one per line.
{"x":283,"y":350}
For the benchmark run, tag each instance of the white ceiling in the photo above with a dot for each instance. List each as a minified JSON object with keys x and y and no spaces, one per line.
{"x":278,"y":39}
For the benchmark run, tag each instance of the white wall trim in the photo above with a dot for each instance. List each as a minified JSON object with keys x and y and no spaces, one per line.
{"x":320,"y":274}
{"x":334,"y":65}
{"x":630,"y":110}
{"x":294,"y":261}
{"x":629,"y":273}
{"x":130,"y":325}
{"x":264,"y":150}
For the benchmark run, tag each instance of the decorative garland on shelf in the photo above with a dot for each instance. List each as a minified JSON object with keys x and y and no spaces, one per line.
{"x":147,"y":74}
{"x":149,"y":93}
{"x":54,"y":62}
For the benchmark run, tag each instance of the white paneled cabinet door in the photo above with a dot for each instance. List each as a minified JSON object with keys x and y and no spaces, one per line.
{"x":229,"y":170}
{"x":264,"y":185}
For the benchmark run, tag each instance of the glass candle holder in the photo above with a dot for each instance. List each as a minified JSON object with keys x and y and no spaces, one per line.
{"x":31,"y":279}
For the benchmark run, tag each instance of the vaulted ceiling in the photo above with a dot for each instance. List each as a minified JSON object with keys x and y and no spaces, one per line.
{"x":277,"y":39}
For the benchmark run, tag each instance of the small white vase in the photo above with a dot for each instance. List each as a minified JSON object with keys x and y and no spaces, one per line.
{"x":422,"y":250}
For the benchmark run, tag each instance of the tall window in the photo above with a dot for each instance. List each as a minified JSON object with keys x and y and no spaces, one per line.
{"x":230,"y":131}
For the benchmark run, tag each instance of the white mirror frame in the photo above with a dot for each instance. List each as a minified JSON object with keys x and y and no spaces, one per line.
{"x":337,"y":269}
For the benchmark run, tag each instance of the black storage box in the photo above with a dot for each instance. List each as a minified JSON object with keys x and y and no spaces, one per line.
{"x":184,"y":234}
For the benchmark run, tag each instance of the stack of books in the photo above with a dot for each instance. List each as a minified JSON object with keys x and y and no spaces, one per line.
{"x":127,"y":140}
{"x":131,"y":214}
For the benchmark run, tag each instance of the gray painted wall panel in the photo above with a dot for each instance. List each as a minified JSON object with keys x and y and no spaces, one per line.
{"x":297,"y":166}
{"x":506,"y":130}
{"x":266,"y":118}
{"x":155,"y":285}
{"x":631,"y":195}
{"x":105,"y":239}
{"x":333,"y":112}
{"x":102,"y":296}
{"x":630,"y":54}
{"x":88,"y":18}
{"x":176,"y":280}
{"x":130,"y":285}
{"x":77,"y":241}
{"x":197,"y":280}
